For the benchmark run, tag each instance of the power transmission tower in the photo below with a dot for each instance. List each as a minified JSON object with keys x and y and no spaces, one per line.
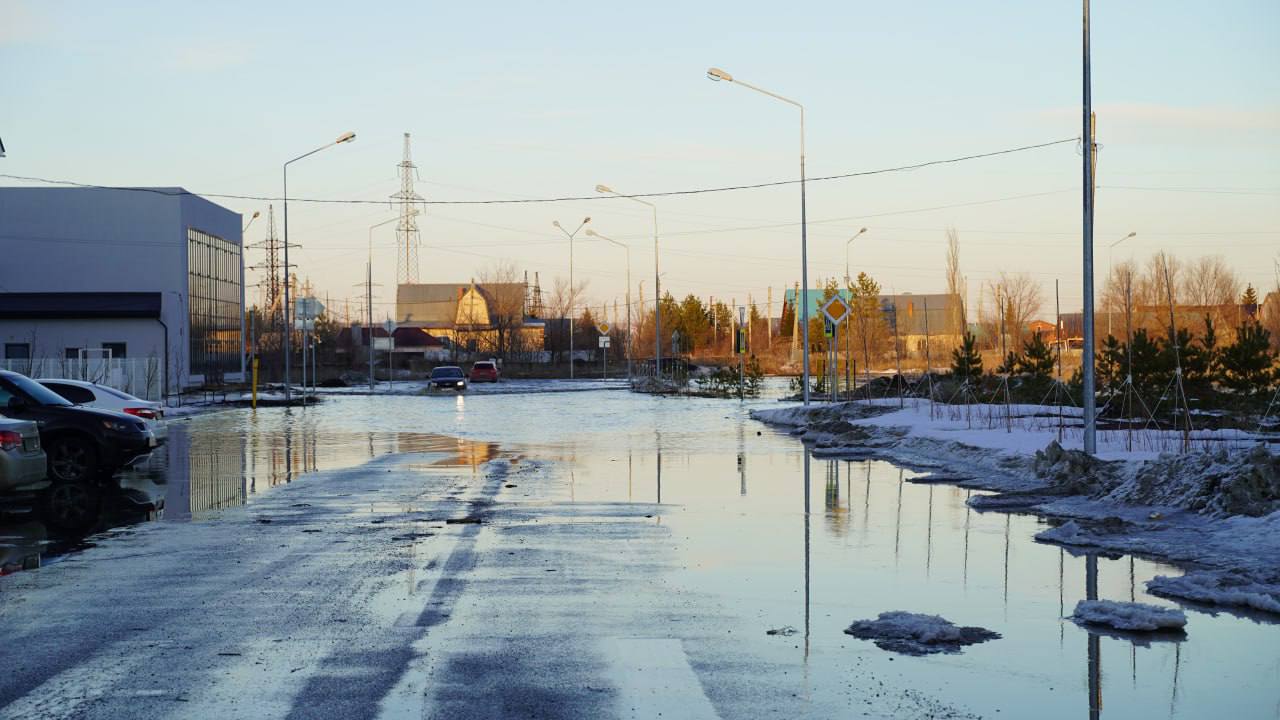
{"x":270,"y":264}
{"x":407,"y":237}
{"x":535,"y":305}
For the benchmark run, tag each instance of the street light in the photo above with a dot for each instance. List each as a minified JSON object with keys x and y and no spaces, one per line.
{"x":368,"y":268}
{"x":243,"y":230}
{"x":627,"y":248}
{"x":1111,"y":272}
{"x":288,"y":331}
{"x":573,"y":292}
{"x":657,"y":281}
{"x":718,"y":75}
{"x":847,"y":243}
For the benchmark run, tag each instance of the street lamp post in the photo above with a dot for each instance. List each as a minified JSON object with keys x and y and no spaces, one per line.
{"x":1090,"y":410}
{"x":573,"y":291}
{"x":657,"y":281}
{"x":288,"y":331}
{"x":627,"y":248}
{"x":718,"y":75}
{"x":847,"y":243}
{"x":1111,"y":271}
{"x":369,"y":294}
{"x":243,"y":346}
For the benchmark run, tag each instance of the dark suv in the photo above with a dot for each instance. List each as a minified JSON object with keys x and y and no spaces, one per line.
{"x":82,"y":444}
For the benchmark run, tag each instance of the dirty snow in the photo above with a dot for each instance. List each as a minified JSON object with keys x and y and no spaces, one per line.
{"x":1228,"y":588}
{"x":1130,"y":616}
{"x":917,"y":634}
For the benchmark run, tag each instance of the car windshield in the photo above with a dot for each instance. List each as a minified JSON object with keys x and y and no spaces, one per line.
{"x":446,"y":373}
{"x":36,"y":391}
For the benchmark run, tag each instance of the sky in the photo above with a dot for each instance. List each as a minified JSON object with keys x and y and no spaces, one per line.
{"x":509,"y":100}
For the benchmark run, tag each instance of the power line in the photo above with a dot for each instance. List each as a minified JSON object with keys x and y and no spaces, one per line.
{"x":527,"y":201}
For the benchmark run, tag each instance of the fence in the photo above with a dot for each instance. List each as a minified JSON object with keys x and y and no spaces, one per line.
{"x":137,"y":376}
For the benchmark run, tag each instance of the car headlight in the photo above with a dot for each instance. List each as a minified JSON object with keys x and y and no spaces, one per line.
{"x":116,"y":425}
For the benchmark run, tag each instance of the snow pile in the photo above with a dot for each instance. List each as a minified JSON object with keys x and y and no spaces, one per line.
{"x":1073,"y":471}
{"x":1228,"y":588}
{"x":1219,"y":485}
{"x":1128,"y":616}
{"x":917,"y":634}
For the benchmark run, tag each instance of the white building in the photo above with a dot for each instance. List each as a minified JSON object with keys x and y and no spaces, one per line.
{"x":151,"y":275}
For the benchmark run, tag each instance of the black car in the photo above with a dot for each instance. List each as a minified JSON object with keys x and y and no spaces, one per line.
{"x":82,"y":444}
{"x":447,"y":377}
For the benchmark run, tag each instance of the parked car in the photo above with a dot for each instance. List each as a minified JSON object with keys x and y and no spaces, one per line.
{"x":484,"y":371}
{"x":82,"y":445}
{"x":90,"y":394}
{"x":22,"y":460}
{"x":447,"y":377}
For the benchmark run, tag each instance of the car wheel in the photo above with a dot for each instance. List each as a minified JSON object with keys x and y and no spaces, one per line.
{"x":72,"y":506}
{"x":72,"y":460}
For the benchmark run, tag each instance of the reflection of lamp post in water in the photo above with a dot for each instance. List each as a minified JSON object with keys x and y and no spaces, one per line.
{"x":806,"y":555}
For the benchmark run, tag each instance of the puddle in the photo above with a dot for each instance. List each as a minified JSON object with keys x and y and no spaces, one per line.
{"x":789,"y":549}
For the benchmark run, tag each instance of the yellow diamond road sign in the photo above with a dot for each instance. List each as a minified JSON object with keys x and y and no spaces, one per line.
{"x":603,"y":328}
{"x":836,"y":310}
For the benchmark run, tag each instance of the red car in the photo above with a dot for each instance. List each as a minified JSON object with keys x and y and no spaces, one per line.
{"x":484,"y":371}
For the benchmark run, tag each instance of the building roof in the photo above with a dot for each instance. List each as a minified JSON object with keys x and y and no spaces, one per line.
{"x":415,"y":337}
{"x":428,"y":303}
{"x":79,"y":305}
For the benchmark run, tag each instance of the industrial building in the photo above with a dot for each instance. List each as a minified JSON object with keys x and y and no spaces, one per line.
{"x":146,"y":284}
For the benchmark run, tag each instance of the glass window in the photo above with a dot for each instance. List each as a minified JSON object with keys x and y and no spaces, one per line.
{"x":213,"y":304}
{"x":74,"y":393}
{"x":117,"y":349}
{"x":17,"y":351}
{"x":71,"y":353}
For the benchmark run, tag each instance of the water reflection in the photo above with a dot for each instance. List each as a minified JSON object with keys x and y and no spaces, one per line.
{"x":31,"y":535}
{"x":210,"y":466}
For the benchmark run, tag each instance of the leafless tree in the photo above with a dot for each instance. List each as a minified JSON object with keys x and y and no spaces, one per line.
{"x":955,"y":282}
{"x":1017,"y":299}
{"x":504,"y":293}
{"x":1209,"y":282}
{"x":1118,"y":297}
{"x":1150,"y":287}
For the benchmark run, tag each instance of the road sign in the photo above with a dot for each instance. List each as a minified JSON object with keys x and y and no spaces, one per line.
{"x":836,"y":310}
{"x":604,"y":341}
{"x":603,"y":328}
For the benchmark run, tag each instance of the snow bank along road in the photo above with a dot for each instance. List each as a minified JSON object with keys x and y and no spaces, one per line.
{"x":411,"y":586}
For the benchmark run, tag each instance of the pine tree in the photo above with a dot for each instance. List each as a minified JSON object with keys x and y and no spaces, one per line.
{"x":966,"y":361}
{"x":1037,"y":358}
{"x":1246,"y":365}
{"x":1150,"y":372}
{"x":1112,"y":365}
{"x":1250,"y":296}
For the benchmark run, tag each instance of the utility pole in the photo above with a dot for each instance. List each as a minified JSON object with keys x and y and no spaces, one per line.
{"x":407,"y":236}
{"x":1087,"y":359}
{"x":769,"y":318}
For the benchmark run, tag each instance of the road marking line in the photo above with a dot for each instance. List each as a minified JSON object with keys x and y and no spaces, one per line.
{"x":654,"y":679}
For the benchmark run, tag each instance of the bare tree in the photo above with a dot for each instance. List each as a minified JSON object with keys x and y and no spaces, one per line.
{"x":1150,"y":287}
{"x":504,"y":293}
{"x":1117,"y":295}
{"x":1209,"y":282}
{"x":955,"y":282}
{"x":562,"y":305}
{"x":1017,"y":301}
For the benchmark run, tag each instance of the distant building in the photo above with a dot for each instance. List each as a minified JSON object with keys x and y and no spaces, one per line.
{"x":472,"y":317}
{"x":147,"y":276}
{"x":935,"y":317}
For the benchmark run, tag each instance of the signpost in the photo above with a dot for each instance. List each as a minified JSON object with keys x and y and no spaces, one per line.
{"x":604,"y":349}
{"x":306,"y":310}
{"x":835,"y":311}
{"x":740,"y":347}
{"x":390,"y":327}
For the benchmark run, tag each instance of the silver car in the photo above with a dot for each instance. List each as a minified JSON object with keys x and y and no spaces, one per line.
{"x":22,"y":460}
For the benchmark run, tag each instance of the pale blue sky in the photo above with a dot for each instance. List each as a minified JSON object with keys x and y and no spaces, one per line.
{"x":548,"y":99}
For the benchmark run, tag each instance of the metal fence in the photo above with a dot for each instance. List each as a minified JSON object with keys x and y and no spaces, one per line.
{"x":141,"y":377}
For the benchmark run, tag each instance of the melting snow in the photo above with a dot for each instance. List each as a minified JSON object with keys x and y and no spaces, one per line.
{"x":917,"y":634}
{"x":1129,"y":616}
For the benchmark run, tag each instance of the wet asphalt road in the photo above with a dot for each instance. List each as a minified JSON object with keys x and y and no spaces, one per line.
{"x":351,"y":594}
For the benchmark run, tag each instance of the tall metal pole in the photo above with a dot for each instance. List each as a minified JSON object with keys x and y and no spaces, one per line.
{"x":345,"y":137}
{"x":368,"y":299}
{"x":1087,"y":360}
{"x":288,"y":327}
{"x":573,"y":294}
{"x":804,"y":261}
{"x":657,"y":281}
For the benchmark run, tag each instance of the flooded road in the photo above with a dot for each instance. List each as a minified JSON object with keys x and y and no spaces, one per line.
{"x":613,"y":552}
